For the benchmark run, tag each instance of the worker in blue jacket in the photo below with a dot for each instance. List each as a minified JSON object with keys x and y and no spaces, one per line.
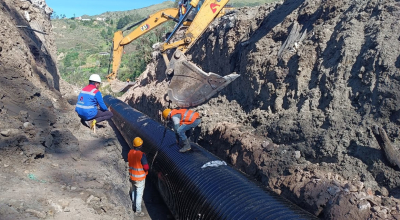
{"x":90,"y":106}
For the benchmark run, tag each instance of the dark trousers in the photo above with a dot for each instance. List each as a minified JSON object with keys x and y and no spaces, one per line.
{"x":103,"y":115}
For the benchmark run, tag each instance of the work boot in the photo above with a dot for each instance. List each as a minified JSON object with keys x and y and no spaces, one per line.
{"x":186,"y":146}
{"x":91,"y":124}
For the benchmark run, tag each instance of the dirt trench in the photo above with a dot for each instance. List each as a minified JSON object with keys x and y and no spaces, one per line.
{"x":316,"y":78}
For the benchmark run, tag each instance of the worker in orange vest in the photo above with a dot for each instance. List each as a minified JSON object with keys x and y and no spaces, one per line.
{"x":138,"y":169}
{"x":184,"y":120}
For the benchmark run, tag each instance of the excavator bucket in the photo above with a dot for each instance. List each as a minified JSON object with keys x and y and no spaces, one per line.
{"x":190,"y":86}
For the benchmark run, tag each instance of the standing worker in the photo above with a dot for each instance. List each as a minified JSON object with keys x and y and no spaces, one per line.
{"x":88,"y":100}
{"x":138,"y":169}
{"x":184,"y":120}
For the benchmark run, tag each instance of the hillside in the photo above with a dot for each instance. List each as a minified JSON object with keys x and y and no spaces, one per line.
{"x":80,"y":42}
{"x":318,"y":92}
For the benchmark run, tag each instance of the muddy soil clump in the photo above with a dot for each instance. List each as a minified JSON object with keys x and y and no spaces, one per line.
{"x":316,"y":78}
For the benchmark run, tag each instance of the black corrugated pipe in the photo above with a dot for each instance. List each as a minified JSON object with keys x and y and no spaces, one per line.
{"x":193,"y":192}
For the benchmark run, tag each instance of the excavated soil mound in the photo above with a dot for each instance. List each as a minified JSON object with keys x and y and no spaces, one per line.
{"x":51,"y":166}
{"x":317,"y":79}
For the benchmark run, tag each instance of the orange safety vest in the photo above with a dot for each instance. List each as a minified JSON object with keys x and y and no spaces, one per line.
{"x":136,"y":170}
{"x":187,"y":116}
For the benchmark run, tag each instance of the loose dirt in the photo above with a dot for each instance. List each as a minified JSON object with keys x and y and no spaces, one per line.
{"x":316,"y":78}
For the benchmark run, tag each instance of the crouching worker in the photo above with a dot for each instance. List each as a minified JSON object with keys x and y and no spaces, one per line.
{"x":88,"y":100}
{"x":183,"y":120}
{"x":138,"y":169}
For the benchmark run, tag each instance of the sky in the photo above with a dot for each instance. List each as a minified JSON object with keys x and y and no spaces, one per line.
{"x":96,"y":7}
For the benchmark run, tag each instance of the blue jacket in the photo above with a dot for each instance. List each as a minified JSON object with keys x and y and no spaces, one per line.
{"x":88,"y":100}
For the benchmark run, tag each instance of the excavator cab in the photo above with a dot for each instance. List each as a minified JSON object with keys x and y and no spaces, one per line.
{"x":188,"y":84}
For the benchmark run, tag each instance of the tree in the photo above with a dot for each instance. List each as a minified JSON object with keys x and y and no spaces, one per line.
{"x":103,"y":34}
{"x":122,"y":22}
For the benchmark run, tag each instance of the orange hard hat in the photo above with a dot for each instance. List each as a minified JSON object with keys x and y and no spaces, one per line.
{"x":166,"y":112}
{"x":137,"y":142}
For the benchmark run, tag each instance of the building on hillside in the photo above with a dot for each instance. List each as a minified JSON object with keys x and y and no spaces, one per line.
{"x":78,"y":18}
{"x":100,"y":19}
{"x":86,"y":19}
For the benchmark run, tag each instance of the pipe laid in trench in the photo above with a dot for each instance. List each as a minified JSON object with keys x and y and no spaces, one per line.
{"x":193,"y":192}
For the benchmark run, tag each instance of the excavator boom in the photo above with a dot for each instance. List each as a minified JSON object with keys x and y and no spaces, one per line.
{"x":146,"y":25}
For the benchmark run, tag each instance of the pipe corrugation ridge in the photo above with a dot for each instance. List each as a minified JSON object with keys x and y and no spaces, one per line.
{"x":192,"y":192}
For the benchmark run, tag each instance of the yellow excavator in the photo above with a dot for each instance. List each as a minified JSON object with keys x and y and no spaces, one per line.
{"x":189,"y":85}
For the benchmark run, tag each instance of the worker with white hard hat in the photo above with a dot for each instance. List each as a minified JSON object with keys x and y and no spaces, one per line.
{"x":90,"y":106}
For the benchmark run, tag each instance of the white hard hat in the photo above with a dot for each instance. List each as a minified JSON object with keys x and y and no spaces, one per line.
{"x":95,"y":78}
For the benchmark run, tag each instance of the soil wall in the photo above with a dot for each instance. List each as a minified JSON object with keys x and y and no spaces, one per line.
{"x":316,"y":77}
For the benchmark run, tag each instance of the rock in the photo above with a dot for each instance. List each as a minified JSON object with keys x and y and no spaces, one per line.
{"x":297,"y":154}
{"x":24,"y":5}
{"x":27,"y":16}
{"x":63,"y":202}
{"x":369,"y":192}
{"x":33,"y":150}
{"x":24,"y":114}
{"x":56,"y":206}
{"x":27,"y":124}
{"x":89,"y":199}
{"x":363,"y":205}
{"x":9,"y":132}
{"x":270,"y":147}
{"x":384,"y":191}
{"x":39,"y":3}
{"x":382,"y":215}
{"x":376,"y":208}
{"x":36,"y":213}
{"x":48,"y":10}
{"x":359,"y":185}
{"x":350,"y":187}
{"x":264,"y":144}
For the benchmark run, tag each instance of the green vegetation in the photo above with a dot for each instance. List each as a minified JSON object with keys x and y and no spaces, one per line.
{"x":84,"y":46}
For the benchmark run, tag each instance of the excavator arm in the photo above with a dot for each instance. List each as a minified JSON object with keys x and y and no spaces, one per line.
{"x":145,"y":25}
{"x":209,"y":10}
{"x":190,"y":85}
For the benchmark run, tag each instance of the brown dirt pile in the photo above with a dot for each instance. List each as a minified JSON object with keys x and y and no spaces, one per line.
{"x":316,"y":77}
{"x":51,"y":166}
